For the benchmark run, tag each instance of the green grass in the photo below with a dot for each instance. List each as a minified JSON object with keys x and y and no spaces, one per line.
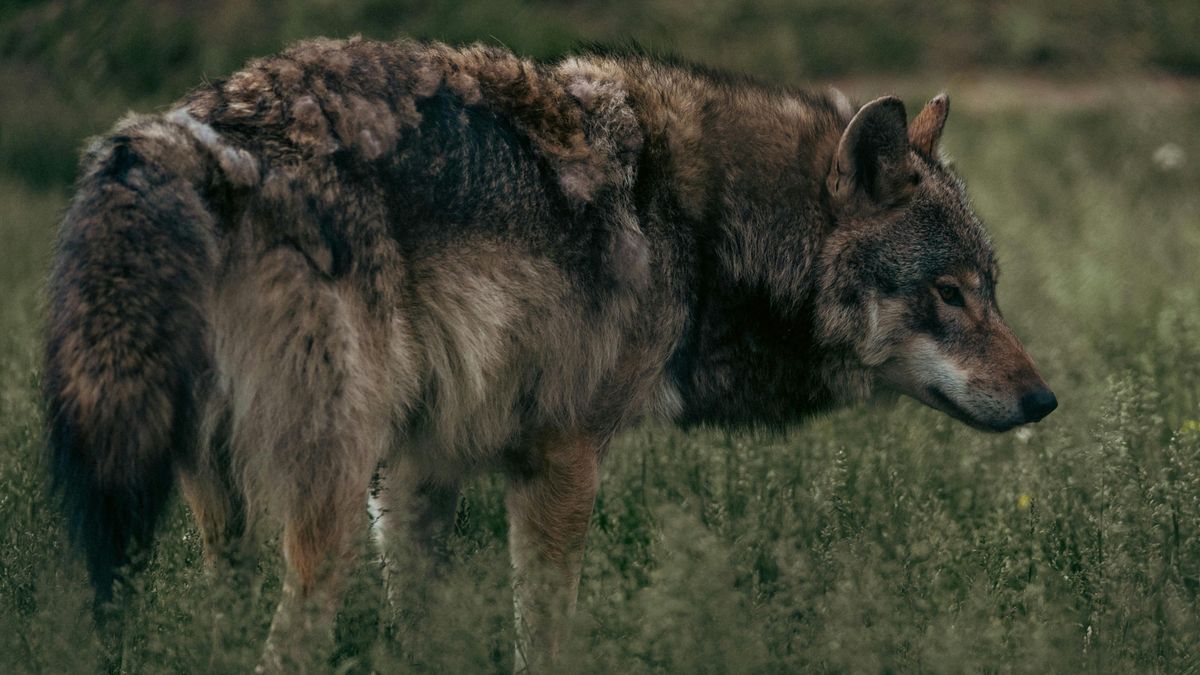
{"x":870,"y":540}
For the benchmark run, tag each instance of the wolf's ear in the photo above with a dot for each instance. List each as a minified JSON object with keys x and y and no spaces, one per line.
{"x":926,"y":128}
{"x":871,"y":170}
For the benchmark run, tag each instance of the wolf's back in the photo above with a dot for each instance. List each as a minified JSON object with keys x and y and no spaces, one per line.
{"x":126,"y":346}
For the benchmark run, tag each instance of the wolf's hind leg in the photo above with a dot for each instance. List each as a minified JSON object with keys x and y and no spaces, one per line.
{"x":313,"y":401}
{"x":549,"y":506}
{"x":415,"y":519}
{"x":416,"y":515}
{"x":219,"y":508}
{"x":320,"y":546}
{"x":217,"y":502}
{"x":323,"y":465}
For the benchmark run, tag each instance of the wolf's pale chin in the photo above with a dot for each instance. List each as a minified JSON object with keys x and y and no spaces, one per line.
{"x":933,"y":397}
{"x":940,"y":401}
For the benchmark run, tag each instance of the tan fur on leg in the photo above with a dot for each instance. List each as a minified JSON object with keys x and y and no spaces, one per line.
{"x":548,"y":510}
{"x":320,"y":547}
{"x":218,"y":504}
{"x":218,"y":507}
{"x":312,"y":415}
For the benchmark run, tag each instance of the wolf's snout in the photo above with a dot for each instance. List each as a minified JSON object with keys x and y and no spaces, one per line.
{"x":1037,"y":404}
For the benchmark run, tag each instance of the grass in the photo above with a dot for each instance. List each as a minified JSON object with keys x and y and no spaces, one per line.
{"x":874,"y":539}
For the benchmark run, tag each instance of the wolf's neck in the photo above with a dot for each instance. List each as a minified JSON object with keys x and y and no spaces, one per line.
{"x":744,"y":168}
{"x":745,"y":164}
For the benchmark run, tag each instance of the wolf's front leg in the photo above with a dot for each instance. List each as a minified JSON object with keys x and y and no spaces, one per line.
{"x":549,"y":505}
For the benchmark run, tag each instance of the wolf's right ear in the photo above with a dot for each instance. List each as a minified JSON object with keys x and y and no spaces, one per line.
{"x":871,"y":170}
{"x":926,"y":128}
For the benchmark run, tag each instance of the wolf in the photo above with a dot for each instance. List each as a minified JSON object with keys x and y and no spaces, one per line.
{"x":399,"y":264}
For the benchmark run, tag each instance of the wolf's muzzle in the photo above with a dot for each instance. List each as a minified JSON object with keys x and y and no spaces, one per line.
{"x":1037,"y":404}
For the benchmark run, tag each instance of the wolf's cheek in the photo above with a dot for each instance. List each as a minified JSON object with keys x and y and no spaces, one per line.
{"x":883,"y":330}
{"x":924,"y":370}
{"x":919,"y":365}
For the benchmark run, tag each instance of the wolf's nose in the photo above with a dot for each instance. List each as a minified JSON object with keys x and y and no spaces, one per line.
{"x":1037,"y":404}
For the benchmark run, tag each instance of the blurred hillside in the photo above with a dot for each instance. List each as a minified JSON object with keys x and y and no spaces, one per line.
{"x":68,"y":68}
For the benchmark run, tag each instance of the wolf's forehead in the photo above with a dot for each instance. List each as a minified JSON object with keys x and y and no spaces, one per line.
{"x":942,"y":186}
{"x":949,"y":232}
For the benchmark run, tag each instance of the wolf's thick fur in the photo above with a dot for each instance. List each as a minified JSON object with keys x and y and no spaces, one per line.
{"x":427,"y":261}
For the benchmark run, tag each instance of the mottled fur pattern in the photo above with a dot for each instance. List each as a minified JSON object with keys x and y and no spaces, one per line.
{"x":418,"y":261}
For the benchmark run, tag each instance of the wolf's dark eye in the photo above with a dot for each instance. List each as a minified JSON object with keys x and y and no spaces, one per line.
{"x":950,"y":295}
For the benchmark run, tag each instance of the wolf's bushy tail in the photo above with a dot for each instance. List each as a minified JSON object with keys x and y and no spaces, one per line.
{"x":126,"y":344}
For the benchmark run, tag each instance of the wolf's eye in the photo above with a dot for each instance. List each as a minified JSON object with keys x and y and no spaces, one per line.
{"x":950,"y":295}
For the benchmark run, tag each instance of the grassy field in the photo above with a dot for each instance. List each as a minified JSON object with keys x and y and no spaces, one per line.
{"x":872,"y":540}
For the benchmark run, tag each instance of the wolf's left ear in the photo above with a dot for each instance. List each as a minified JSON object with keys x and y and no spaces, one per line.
{"x":871,"y":169}
{"x":926,"y":128}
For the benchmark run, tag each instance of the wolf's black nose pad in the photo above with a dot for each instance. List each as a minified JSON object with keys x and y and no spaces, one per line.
{"x":1037,"y":404}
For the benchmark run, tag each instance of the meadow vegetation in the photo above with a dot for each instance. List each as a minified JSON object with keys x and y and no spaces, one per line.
{"x":885,"y":538}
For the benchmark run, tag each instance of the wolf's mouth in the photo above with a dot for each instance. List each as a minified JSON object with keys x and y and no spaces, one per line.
{"x":947,"y":405}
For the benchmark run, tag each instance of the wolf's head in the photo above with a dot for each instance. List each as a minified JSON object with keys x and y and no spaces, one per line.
{"x":909,"y":277}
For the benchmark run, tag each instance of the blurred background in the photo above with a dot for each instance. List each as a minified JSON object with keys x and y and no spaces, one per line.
{"x":68,"y":67}
{"x":870,"y":540}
